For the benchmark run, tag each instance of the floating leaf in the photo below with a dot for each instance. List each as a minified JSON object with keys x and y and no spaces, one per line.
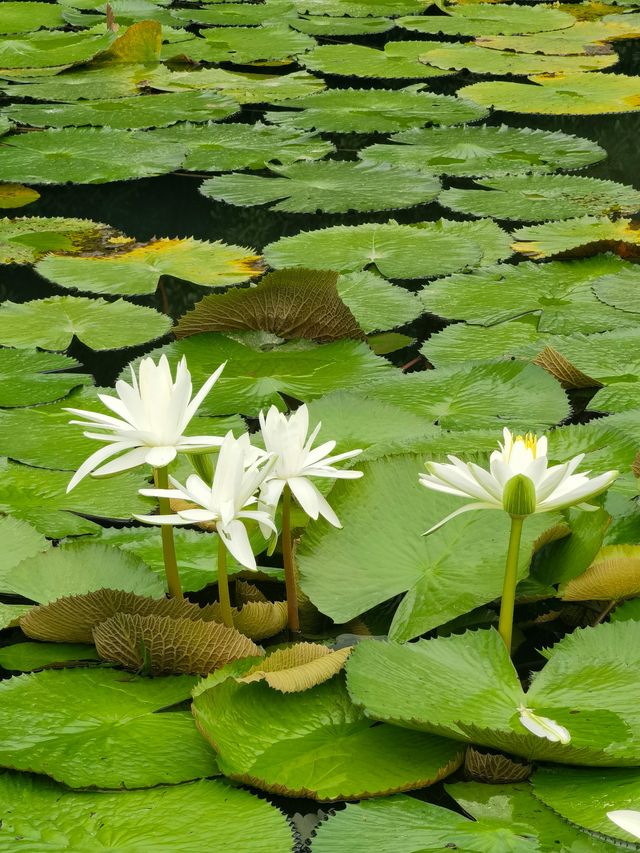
{"x":24,"y":17}
{"x":79,"y":156}
{"x":263,"y":737}
{"x":19,"y":540}
{"x":560,"y":94}
{"x":484,"y":19}
{"x":347,"y":573}
{"x":61,"y":723}
{"x":253,"y":379}
{"x":51,"y":49}
{"x":584,"y":37}
{"x":17,"y":195}
{"x":237,"y":14}
{"x":163,"y":645}
{"x":614,"y":573}
{"x":89,"y":83}
{"x":244,"y":45}
{"x":333,"y":186}
{"x":30,"y":377}
{"x":128,"y":113}
{"x":536,"y":198}
{"x":361,"y":8}
{"x":398,"y":60}
{"x":559,"y":294}
{"x":26,"y":657}
{"x":373,"y":110}
{"x":261,"y":619}
{"x":182,"y":817}
{"x":476,"y":151}
{"x":619,"y":290}
{"x":397,"y":251}
{"x":375,"y":302}
{"x":482,"y":60}
{"x":53,"y":323}
{"x":327,"y":25}
{"x":231,"y":147}
{"x":26,"y":239}
{"x":289,"y":303}
{"x":579,"y":237}
{"x":137,"y":268}
{"x":139,"y":43}
{"x":298,"y":667}
{"x":10,"y":614}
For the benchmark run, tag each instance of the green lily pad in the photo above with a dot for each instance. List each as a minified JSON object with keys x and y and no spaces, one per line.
{"x":255,"y":379}
{"x":236,"y":14}
{"x":347,"y":573}
{"x":396,"y":251}
{"x":489,"y":19}
{"x":398,"y":60}
{"x":24,"y":17}
{"x":128,"y":113}
{"x":537,"y":198}
{"x":583,"y":38}
{"x":333,"y":186}
{"x":587,"y":235}
{"x":27,"y":657}
{"x":179,"y":818}
{"x":50,"y":49}
{"x":39,"y":497}
{"x":506,"y":818}
{"x":77,"y":155}
{"x":418,"y":685}
{"x":10,"y":614}
{"x":361,"y":8}
{"x":92,"y":84}
{"x":560,"y":294}
{"x":77,"y":567}
{"x":28,"y":238}
{"x":373,"y":110}
{"x":471,"y":151}
{"x":482,"y":60}
{"x":560,"y":94}
{"x":232,"y":147}
{"x":52,"y":323}
{"x":619,"y":291}
{"x":327,"y":25}
{"x":137,"y":269}
{"x":19,"y":540}
{"x":101,"y":728}
{"x":29,"y":377}
{"x":244,"y":45}
{"x":376,"y":303}
{"x":315,"y":743}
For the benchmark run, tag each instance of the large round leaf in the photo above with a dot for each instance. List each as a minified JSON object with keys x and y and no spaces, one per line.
{"x":124,"y":113}
{"x":397,"y":251}
{"x":76,"y":155}
{"x":361,"y":8}
{"x":579,"y":237}
{"x":26,"y":239}
{"x":88,"y":83}
{"x":584,"y":37}
{"x":29,"y":376}
{"x":101,"y":728}
{"x":476,"y":151}
{"x":329,"y":25}
{"x":177,"y":818}
{"x":315,"y":743}
{"x":398,"y":60}
{"x":50,"y":49}
{"x":347,"y":572}
{"x":244,"y":45}
{"x":482,"y":60}
{"x":487,"y":19}
{"x":52,"y":323}
{"x":331,"y":186}
{"x":542,"y":197}
{"x":373,"y":110}
{"x":24,"y":17}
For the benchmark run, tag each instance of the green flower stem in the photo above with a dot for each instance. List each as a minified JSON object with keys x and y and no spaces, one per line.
{"x":289,"y":565}
{"x":223,"y":584}
{"x":507,"y":605}
{"x":161,"y":476}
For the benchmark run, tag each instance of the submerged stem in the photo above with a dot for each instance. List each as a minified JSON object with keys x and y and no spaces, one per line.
{"x":223,"y":585}
{"x":507,"y":605}
{"x":161,"y":476}
{"x":289,"y":566}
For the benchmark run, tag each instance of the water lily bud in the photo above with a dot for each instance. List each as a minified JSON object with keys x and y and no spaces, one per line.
{"x":519,"y":496}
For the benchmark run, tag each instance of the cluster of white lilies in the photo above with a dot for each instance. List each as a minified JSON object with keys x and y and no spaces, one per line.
{"x":250,"y":483}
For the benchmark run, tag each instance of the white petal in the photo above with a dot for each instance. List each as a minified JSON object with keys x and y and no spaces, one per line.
{"x":467,"y":508}
{"x":195,"y":516}
{"x":626,"y":819}
{"x":306,"y":494}
{"x":543,"y":727}
{"x":584,"y":491}
{"x":161,"y":519}
{"x":433,"y":483}
{"x":174,"y":494}
{"x":197,"y":401}
{"x":125,"y":462}
{"x":236,"y":539}
{"x":94,"y":460}
{"x":460,"y":479}
{"x":160,"y":457}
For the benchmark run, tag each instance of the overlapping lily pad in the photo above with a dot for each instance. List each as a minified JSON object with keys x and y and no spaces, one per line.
{"x":19,"y":540}
{"x":28,"y":377}
{"x":487,"y":19}
{"x":329,"y":25}
{"x":471,"y":151}
{"x":587,"y":235}
{"x":373,"y":110}
{"x":361,"y":8}
{"x":236,"y":14}
{"x":24,"y":240}
{"x":584,"y":37}
{"x":52,"y":49}
{"x":244,"y":45}
{"x":398,"y":59}
{"x":333,"y":186}
{"x":24,"y":17}
{"x":117,"y":81}
{"x":17,"y":195}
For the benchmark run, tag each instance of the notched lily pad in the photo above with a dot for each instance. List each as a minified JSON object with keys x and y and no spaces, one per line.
{"x":574,"y":238}
{"x":26,"y":239}
{"x":485,"y":19}
{"x":398,"y":60}
{"x":28,"y":377}
{"x":298,"y":667}
{"x":614,"y":574}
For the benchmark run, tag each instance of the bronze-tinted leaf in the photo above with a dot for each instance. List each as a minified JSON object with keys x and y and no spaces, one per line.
{"x":72,"y":618}
{"x":560,"y":367}
{"x":246,"y":592}
{"x":257,"y":619}
{"x":494,"y":768}
{"x":298,"y":667}
{"x":161,"y":645}
{"x":615,"y":573}
{"x":290,"y":303}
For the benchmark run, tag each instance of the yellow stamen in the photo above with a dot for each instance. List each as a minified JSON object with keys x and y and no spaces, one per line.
{"x":530,"y":441}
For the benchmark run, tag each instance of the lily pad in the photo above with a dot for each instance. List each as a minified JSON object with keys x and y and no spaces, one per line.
{"x":398,"y":60}
{"x":19,"y":540}
{"x":85,"y":156}
{"x":61,"y":723}
{"x":376,"y":303}
{"x":396,"y":251}
{"x":484,"y":151}
{"x":333,"y":186}
{"x":138,"y":112}
{"x":482,"y":60}
{"x":328,"y":25}
{"x":587,"y":235}
{"x":27,"y":657}
{"x":538,"y":198}
{"x":373,"y":110}
{"x":26,"y":239}
{"x":244,"y":45}
{"x":52,"y":323}
{"x":93,"y":84}
{"x":315,"y":744}
{"x":25,"y":17}
{"x":51,"y":49}
{"x":560,"y":94}
{"x":17,"y":195}
{"x":361,"y":8}
{"x":224,"y":14}
{"x":178,"y":817}
{"x":137,"y":269}
{"x":487,"y":19}
{"x":584,"y":37}
{"x":29,"y":377}
{"x":232,"y":147}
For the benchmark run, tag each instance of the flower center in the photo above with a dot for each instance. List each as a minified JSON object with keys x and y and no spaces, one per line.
{"x":530,"y":441}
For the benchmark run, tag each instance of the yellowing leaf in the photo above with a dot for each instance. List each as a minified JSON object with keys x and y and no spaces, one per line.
{"x":140,"y":43}
{"x":615,"y":573}
{"x":257,"y":619}
{"x":298,"y":667}
{"x":560,"y":367}
{"x":17,"y":195}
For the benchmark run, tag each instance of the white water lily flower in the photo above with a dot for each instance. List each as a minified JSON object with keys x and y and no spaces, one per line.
{"x":627,"y":819}
{"x":519,"y":480}
{"x":297,"y":461}
{"x":152,"y":415}
{"x":543,"y":726}
{"x":239,"y":473}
